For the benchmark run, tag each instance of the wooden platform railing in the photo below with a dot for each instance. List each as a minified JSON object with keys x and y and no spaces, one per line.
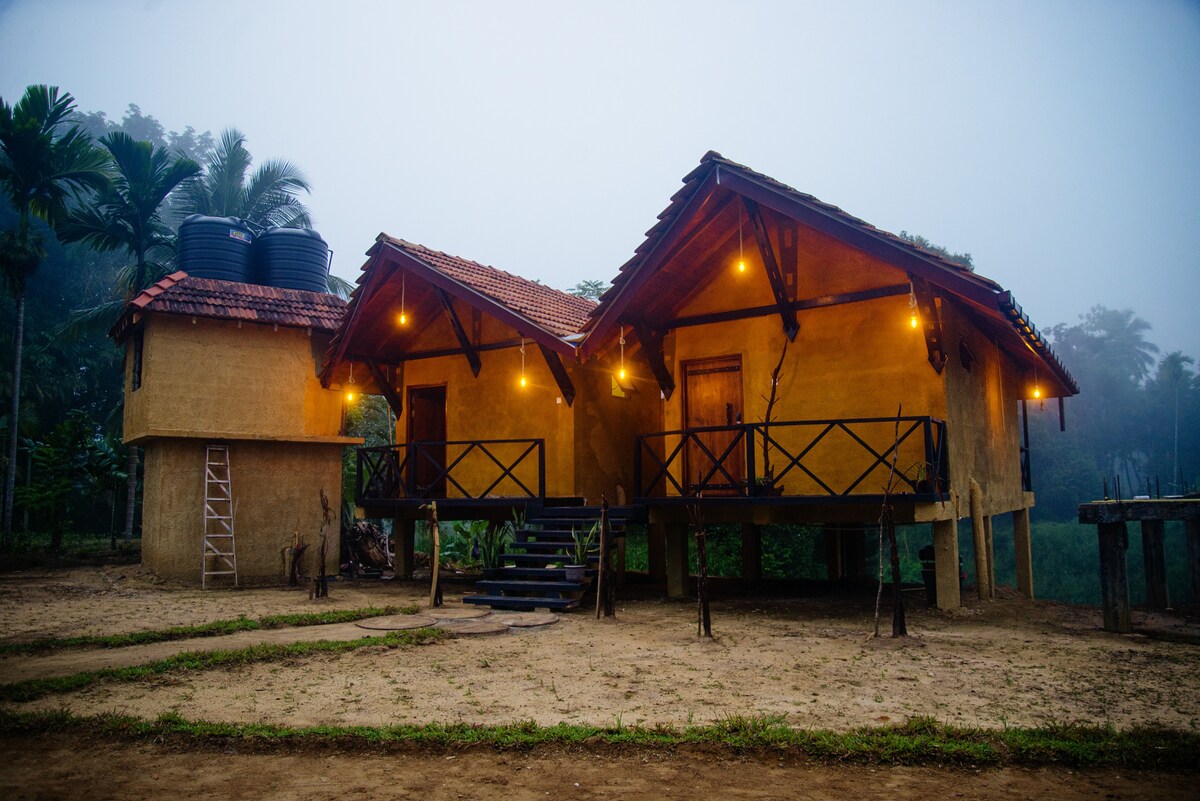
{"x":813,"y":458}
{"x":463,"y":469}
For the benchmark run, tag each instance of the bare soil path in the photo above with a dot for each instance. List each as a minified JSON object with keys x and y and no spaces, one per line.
{"x":58,"y":767}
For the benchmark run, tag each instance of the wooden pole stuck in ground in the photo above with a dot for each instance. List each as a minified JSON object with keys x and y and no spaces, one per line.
{"x":703,"y":617}
{"x":435,"y":590}
{"x":605,"y":595}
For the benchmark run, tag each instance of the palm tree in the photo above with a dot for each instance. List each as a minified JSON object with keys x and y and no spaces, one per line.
{"x":1172,"y":374}
{"x":125,"y":217}
{"x":264,"y":197}
{"x":42,"y":167}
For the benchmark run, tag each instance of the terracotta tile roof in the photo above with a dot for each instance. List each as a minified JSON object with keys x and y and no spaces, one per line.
{"x":692,"y":183}
{"x":180,"y":293}
{"x":560,"y":313}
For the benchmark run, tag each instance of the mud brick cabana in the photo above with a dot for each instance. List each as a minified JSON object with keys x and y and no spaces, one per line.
{"x":657,"y":397}
{"x":233,"y":365}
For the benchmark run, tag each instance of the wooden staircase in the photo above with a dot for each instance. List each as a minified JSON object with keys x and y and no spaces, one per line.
{"x":528,"y":580}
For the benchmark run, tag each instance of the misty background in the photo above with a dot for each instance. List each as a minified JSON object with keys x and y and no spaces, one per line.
{"x":1056,"y":142}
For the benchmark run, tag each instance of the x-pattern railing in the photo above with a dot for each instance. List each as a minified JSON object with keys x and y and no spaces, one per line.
{"x":391,"y":472}
{"x":666,"y":471}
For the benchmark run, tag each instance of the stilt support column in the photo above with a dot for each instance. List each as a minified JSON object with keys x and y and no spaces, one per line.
{"x":1114,"y":578}
{"x":945,"y":555}
{"x":751,"y":553}
{"x":1157,"y":596}
{"x":1024,"y":552}
{"x":677,"y":560}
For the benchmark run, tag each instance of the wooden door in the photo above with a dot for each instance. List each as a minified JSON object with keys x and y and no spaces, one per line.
{"x":712,"y":396}
{"x":427,"y":424}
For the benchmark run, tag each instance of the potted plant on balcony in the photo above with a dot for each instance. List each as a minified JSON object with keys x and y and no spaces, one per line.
{"x":581,"y":546}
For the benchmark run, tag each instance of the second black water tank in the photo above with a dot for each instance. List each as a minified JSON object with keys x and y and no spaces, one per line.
{"x":292,"y":258}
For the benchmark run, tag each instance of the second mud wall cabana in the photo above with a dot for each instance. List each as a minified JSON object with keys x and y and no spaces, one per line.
{"x":899,"y":372}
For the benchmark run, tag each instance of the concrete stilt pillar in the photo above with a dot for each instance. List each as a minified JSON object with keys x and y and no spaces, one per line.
{"x":677,"y":560}
{"x":1114,"y":579}
{"x":945,"y":555}
{"x":835,"y":568}
{"x":404,"y":534}
{"x":979,"y":534}
{"x":656,"y":551}
{"x":751,"y":553}
{"x":620,"y":563}
{"x":1193,"y":556}
{"x":991,"y":555}
{"x":1157,"y":596}
{"x":1024,"y":552}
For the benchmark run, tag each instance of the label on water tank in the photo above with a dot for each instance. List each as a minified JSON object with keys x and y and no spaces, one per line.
{"x":239,"y":235}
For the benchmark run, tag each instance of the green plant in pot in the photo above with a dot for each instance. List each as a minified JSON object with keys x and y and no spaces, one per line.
{"x":581,"y":545}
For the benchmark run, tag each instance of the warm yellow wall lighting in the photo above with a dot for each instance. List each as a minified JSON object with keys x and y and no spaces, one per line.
{"x":621,"y":371}
{"x":913,"y":317}
{"x":403,"y":314}
{"x":522,"y":383}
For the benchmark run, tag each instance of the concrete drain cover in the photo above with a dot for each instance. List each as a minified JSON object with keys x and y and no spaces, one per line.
{"x":457,"y":612}
{"x":396,"y":622}
{"x":472,"y":628}
{"x":525,"y":619}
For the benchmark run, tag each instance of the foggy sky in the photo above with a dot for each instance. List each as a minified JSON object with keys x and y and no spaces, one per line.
{"x":1057,"y":142}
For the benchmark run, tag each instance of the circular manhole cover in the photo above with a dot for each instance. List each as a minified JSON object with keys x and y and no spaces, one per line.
{"x":472,"y":628}
{"x":457,"y":612}
{"x":524,"y":620}
{"x":396,"y":622}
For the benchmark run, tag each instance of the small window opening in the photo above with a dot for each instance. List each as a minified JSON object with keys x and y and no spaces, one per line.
{"x":137,"y":361}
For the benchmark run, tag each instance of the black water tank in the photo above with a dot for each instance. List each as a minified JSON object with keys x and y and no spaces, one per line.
{"x":215,"y":247}
{"x":292,"y":258}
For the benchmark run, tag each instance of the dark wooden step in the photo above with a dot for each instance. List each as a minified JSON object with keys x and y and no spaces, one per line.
{"x":517,"y":602}
{"x":495,"y":587}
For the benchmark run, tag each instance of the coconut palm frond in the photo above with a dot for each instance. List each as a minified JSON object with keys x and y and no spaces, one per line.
{"x":339,"y":286}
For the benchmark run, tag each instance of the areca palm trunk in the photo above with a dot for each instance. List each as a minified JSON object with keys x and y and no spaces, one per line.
{"x":10,"y":479}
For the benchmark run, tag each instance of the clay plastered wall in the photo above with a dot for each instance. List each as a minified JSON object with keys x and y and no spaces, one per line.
{"x":856,"y":360}
{"x":276,"y":488}
{"x":493,"y":406}
{"x":606,"y":427}
{"x":211,"y":378}
{"x":983,"y":403}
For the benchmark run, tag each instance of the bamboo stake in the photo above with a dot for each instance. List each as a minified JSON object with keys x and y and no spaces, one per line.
{"x":435,"y":592}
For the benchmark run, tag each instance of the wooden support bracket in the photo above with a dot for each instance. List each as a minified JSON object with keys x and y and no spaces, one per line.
{"x":931,"y":323}
{"x":387,"y":388}
{"x":652,"y":346}
{"x":559,"y":371}
{"x":786,"y":313}
{"x":459,"y":332}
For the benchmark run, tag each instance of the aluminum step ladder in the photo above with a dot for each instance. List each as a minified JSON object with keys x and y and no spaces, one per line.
{"x":218,"y":548}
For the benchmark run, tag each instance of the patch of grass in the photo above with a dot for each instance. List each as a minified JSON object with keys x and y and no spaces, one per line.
{"x":33,"y":689}
{"x":214,"y":629}
{"x":920,"y":741}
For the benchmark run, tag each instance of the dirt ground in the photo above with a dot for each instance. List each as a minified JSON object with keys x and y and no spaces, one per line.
{"x":808,"y":661}
{"x":55,"y":767}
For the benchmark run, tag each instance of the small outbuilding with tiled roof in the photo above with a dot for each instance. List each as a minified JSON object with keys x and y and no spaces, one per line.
{"x":211,"y":362}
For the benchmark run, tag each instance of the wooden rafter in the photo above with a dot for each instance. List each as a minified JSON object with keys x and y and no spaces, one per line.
{"x":790,"y":324}
{"x":931,"y":323}
{"x":460,"y":333}
{"x":386,"y":388}
{"x":652,"y":347}
{"x":559,"y":372}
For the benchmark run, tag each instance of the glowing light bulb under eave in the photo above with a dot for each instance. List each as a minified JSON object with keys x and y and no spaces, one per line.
{"x":349,"y":397}
{"x":403,"y":318}
{"x":1037,"y":392}
{"x":914,"y":320}
{"x":621,"y":374}
{"x":523,"y":382}
{"x":741,"y":266}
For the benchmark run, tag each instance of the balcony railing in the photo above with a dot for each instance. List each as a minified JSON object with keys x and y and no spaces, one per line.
{"x":807,"y":458}
{"x":465,"y":469}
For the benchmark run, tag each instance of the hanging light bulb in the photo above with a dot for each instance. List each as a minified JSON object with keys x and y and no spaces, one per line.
{"x":523,"y":382}
{"x":1037,"y":386}
{"x":621,"y":372}
{"x":741,"y":253}
{"x":913,"y":318}
{"x":403,"y":314}
{"x":350,"y":390}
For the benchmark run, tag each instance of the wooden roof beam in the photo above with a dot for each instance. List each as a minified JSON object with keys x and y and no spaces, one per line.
{"x":788,"y":315}
{"x":559,"y":372}
{"x":459,"y":332}
{"x":652,"y":346}
{"x":931,"y":323}
{"x":386,"y":388}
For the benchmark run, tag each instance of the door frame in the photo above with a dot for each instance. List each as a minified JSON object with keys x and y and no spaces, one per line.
{"x":412,"y":390}
{"x":684,"y":367}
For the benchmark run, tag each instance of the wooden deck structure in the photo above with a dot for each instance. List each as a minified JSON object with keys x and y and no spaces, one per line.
{"x":1111,"y":519}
